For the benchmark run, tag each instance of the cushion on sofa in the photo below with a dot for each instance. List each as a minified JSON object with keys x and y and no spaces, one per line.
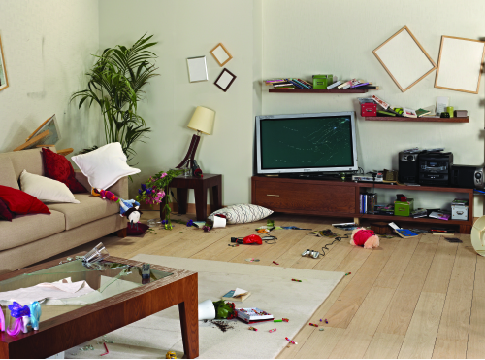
{"x":7,"y":172}
{"x":22,"y":203}
{"x":27,"y":228}
{"x":57,"y":167}
{"x":30,"y":160}
{"x":5,"y":213}
{"x":45,"y":189}
{"x":90,"y":209}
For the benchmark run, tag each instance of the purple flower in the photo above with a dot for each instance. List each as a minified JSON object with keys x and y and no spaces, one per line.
{"x":164,"y":222}
{"x":190,"y":223}
{"x":140,"y":192}
{"x":206,"y":229}
{"x":143,"y":186}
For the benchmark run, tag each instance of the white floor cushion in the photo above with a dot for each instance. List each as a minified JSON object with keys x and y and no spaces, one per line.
{"x":45,"y":189}
{"x":243,"y":213}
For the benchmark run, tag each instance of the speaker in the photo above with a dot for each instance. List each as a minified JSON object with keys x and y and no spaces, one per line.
{"x":467,"y":176}
{"x":408,"y":167}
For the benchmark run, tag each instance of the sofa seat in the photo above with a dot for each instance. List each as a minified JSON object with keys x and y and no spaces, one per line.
{"x":28,"y":228}
{"x":90,"y":209}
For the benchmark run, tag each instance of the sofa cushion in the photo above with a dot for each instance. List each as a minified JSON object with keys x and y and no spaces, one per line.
{"x":30,"y":160}
{"x":5,"y":213}
{"x":7,"y":172}
{"x":57,"y":167}
{"x":22,"y":203}
{"x":27,"y":228}
{"x":90,"y":209}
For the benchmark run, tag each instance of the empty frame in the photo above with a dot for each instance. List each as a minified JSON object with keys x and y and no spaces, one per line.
{"x":197,"y":67}
{"x":404,"y":59}
{"x":221,"y":54}
{"x":225,"y":80}
{"x":460,"y":64}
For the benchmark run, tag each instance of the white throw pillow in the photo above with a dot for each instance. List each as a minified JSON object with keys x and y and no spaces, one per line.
{"x":45,"y":189}
{"x":104,"y":166}
{"x":243,"y":213}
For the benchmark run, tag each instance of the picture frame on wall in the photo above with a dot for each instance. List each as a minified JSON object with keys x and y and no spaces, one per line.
{"x":404,"y":59}
{"x":460,"y":64}
{"x":3,"y":70}
{"x":221,"y":54}
{"x":197,"y":67}
{"x":225,"y":80}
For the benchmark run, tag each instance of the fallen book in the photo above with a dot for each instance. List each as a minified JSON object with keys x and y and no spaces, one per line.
{"x":252,"y":315}
{"x":238,"y":295}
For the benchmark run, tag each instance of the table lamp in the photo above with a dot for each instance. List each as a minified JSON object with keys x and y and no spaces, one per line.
{"x":202,"y":121}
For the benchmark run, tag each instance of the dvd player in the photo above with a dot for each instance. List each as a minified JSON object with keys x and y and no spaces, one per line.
{"x":378,"y":177}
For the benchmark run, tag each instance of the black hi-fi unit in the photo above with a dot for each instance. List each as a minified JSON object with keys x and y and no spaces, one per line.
{"x":408,"y":167}
{"x":467,"y":176}
{"x":435,"y":168}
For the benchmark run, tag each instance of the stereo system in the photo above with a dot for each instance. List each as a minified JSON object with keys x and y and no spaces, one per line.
{"x":436,"y":168}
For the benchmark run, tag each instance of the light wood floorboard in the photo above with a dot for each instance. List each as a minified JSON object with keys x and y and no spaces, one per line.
{"x":411,"y":298}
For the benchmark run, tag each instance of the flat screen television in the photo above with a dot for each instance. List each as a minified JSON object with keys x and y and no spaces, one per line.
{"x":306,"y":143}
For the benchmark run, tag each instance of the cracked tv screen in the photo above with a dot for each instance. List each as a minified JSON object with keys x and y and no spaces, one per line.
{"x":306,"y":142}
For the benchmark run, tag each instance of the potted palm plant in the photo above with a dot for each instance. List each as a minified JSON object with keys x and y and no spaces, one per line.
{"x":116,"y":83}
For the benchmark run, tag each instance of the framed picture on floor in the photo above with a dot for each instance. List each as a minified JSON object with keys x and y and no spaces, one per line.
{"x":3,"y":70}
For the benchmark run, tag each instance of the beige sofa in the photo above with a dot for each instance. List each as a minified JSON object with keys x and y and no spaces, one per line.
{"x":35,"y":237}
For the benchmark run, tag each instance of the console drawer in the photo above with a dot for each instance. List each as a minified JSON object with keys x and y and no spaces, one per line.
{"x":280,"y":195}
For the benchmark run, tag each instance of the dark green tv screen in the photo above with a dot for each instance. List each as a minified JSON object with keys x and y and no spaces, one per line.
{"x":306,"y":142}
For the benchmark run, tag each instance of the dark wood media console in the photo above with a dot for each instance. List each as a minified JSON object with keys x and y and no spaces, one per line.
{"x":339,"y":199}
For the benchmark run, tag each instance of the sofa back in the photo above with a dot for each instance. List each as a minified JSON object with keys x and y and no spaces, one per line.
{"x":13,"y":163}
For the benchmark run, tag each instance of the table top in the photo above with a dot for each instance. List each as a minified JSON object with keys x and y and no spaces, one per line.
{"x":206,"y":177}
{"x":108,"y":279}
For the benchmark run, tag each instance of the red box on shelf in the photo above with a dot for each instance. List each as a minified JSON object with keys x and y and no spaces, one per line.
{"x":368,"y":109}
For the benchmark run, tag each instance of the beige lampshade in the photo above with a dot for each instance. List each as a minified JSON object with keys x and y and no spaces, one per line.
{"x":202,"y":120}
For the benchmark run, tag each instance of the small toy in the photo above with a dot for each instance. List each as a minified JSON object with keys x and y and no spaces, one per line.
{"x":348,"y":273}
{"x":274,"y":262}
{"x":295,"y":280}
{"x":285,"y":319}
{"x":171,"y":355}
{"x":19,"y":312}
{"x":128,"y":208}
{"x":291,"y":341}
{"x":272,"y":330}
{"x":35,"y":313}
{"x":326,"y":321}
{"x":104,"y":194}
{"x":321,"y":329}
{"x":2,"y":320}
{"x":313,"y":324}
{"x":321,"y":320}
{"x":107,"y":351}
{"x":363,"y":237}
{"x":252,"y":328}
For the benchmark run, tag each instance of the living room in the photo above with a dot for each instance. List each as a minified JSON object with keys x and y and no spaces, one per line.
{"x":48,"y":47}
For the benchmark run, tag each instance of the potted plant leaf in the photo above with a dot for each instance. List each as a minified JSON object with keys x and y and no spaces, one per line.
{"x":116,"y":83}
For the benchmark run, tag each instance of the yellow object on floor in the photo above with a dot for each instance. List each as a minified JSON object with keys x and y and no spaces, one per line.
{"x":171,"y":355}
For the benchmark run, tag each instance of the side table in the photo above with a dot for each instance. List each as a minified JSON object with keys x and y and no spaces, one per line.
{"x":200,"y":186}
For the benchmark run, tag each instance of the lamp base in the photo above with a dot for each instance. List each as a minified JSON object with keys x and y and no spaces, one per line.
{"x":189,"y":157}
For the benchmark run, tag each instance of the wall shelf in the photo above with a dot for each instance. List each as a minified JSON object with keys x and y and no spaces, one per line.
{"x":340,"y":91}
{"x":420,"y":120}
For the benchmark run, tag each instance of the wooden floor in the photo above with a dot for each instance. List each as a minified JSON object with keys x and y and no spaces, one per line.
{"x":410,"y":298}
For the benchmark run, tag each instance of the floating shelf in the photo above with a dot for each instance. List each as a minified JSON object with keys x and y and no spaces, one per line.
{"x":420,"y":120}
{"x":340,"y":91}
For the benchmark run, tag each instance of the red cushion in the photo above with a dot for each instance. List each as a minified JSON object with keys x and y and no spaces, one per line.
{"x":5,"y":213}
{"x":22,"y":203}
{"x":136,"y":229}
{"x":57,"y":167}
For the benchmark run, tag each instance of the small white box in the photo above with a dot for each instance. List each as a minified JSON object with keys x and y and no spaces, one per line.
{"x":459,"y":212}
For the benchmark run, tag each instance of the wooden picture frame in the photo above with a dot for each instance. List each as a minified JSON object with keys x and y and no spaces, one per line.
{"x":3,"y":69}
{"x":404,"y":59}
{"x":197,"y":68}
{"x":220,"y":53}
{"x":225,"y":80}
{"x":47,"y":133}
{"x":460,"y":64}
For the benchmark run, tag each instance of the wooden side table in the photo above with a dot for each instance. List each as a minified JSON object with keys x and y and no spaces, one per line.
{"x":200,"y":186}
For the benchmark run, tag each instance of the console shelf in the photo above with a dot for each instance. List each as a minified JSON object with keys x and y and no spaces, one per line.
{"x":420,"y":120}
{"x":335,"y":198}
{"x":340,"y":91}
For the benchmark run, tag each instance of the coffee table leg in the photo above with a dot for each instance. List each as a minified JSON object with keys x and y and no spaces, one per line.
{"x":189,"y":318}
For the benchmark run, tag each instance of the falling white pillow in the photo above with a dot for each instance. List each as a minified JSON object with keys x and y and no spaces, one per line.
{"x":45,"y":189}
{"x":104,"y":166}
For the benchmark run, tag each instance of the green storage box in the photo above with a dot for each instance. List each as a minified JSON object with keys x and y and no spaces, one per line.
{"x":322,"y":81}
{"x":403,"y":208}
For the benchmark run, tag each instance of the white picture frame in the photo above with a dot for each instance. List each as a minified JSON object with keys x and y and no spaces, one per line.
{"x":220,"y":54}
{"x":404,"y":59}
{"x":197,"y":68}
{"x":460,"y":64}
{"x":3,"y":70}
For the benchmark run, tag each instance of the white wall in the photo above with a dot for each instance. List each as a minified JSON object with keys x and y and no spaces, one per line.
{"x":186,"y":28}
{"x":306,"y":37}
{"x":47,"y":46}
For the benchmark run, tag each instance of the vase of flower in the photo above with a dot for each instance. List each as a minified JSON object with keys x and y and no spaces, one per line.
{"x":156,"y":191}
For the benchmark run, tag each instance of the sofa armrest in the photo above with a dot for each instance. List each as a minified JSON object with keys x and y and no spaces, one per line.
{"x":119,"y":188}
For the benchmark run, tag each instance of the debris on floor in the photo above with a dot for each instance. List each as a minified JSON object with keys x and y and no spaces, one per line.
{"x":222,"y":325}
{"x":274,"y":262}
{"x":252,"y":260}
{"x":296,"y":280}
{"x":107,"y":351}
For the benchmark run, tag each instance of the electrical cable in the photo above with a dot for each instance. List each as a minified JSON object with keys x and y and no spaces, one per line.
{"x":338,"y":238}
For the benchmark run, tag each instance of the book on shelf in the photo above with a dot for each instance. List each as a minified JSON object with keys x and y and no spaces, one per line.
{"x":409,"y":113}
{"x":310,"y":86}
{"x":384,"y":209}
{"x":295,"y":84}
{"x":441,"y":215}
{"x":305,"y":86}
{"x":418,"y":213}
{"x":422,"y":112}
{"x":367,"y":203}
{"x":334,"y":85}
{"x":284,"y":86}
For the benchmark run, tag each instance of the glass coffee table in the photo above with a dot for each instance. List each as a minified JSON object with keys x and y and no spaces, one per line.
{"x":122,"y":296}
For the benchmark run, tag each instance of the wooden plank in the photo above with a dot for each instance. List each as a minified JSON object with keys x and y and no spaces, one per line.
{"x":334,"y":258}
{"x":429,"y":238}
{"x":420,"y":337}
{"x":450,"y":349}
{"x":392,"y":273}
{"x":399,"y":312}
{"x":439,"y":274}
{"x":384,"y":346}
{"x":320,"y":344}
{"x":342,"y":312}
{"x":455,"y":319}
{"x":476,"y":345}
{"x":359,"y":344}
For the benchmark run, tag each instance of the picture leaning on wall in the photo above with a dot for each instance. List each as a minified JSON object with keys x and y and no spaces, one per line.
{"x":3,"y":70}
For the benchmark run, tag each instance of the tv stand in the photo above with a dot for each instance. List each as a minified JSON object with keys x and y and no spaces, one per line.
{"x":336,"y":198}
